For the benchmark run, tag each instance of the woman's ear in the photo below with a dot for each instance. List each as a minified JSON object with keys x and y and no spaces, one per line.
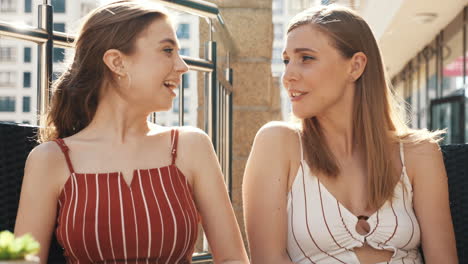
{"x":114,"y":60}
{"x":358,"y":65}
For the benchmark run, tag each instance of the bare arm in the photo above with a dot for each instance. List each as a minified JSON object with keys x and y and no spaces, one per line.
{"x":431,"y":203}
{"x":265,"y":196}
{"x":212,"y":200}
{"x":38,"y":201}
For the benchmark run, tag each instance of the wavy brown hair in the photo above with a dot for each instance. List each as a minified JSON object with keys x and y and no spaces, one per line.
{"x":76,"y":92}
{"x":376,"y":123}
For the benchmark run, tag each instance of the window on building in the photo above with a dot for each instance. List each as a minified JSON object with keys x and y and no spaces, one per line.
{"x":183,"y":31}
{"x":175,"y":109}
{"x":7,"y":78}
{"x":59,"y":6}
{"x":27,"y":54}
{"x":7,"y":103}
{"x":58,"y":55}
{"x":26,"y":104}
{"x":26,"y":79}
{"x":7,"y":5}
{"x":59,"y":27}
{"x":7,"y":54}
{"x":277,"y":55}
{"x":27,"y":6}
{"x":278,"y":28}
{"x":278,"y":7}
{"x":56,"y":75}
{"x":186,"y":80}
{"x":184,"y":51}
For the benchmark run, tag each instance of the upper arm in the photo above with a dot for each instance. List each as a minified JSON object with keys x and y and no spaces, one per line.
{"x":431,"y":202}
{"x":212,"y":200}
{"x":265,"y":191}
{"x":38,"y":200}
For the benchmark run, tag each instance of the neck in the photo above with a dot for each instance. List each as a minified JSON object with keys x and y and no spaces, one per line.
{"x":337,"y":125}
{"x":118,"y":119}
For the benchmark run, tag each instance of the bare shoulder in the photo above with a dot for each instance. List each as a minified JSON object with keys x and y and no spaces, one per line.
{"x":277,"y":130}
{"x":422,"y":151}
{"x":44,"y":154}
{"x":423,"y":158}
{"x":193,"y":137}
{"x":46,"y":165}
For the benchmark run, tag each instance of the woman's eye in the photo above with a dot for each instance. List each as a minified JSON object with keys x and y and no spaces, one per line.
{"x":168,"y":50}
{"x":305,"y":58}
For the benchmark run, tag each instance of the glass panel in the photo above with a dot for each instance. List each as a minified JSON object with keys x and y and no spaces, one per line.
{"x":7,"y":79}
{"x":186,"y":80}
{"x":27,"y":6}
{"x":7,"y":103}
{"x":278,"y":7}
{"x":59,"y":27}
{"x":184,"y":51}
{"x":8,"y":6}
{"x":59,"y":6}
{"x":27,"y":54}
{"x":453,"y":63}
{"x":18,"y":75}
{"x":26,"y":104}
{"x":8,"y":54}
{"x":277,"y":55}
{"x":423,"y":105}
{"x":432,"y":81}
{"x":447,"y":115}
{"x":183,"y":31}
{"x":278,"y":28}
{"x":26,"y":80}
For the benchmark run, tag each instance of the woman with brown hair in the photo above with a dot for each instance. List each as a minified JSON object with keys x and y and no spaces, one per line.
{"x":113,"y":187}
{"x":351,"y":184}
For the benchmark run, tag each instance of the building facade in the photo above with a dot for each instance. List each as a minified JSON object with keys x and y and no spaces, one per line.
{"x":18,"y":59}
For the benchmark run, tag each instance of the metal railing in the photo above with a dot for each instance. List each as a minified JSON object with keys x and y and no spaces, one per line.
{"x":218,"y":82}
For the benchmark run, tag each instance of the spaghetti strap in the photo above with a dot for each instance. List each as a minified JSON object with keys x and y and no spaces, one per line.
{"x":65,"y":151}
{"x":300,"y":144}
{"x":402,"y":154}
{"x":174,"y":139}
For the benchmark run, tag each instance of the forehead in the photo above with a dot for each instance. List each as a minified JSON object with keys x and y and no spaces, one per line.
{"x":158,"y":30}
{"x":307,"y":36}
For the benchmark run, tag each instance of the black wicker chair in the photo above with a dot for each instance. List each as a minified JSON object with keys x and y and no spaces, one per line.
{"x":16,"y":141}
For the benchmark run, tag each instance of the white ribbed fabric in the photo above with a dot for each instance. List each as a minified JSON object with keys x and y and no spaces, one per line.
{"x":321,"y":230}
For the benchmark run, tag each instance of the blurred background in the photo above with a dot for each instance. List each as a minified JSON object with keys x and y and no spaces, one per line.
{"x":423,"y":42}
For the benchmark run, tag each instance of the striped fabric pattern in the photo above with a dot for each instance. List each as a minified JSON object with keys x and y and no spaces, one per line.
{"x":321,"y":230}
{"x":102,"y":219}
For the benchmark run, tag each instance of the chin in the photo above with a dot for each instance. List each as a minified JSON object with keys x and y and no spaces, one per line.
{"x":303,"y":114}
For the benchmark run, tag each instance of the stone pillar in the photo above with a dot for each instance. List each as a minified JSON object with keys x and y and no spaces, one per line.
{"x":256,"y":97}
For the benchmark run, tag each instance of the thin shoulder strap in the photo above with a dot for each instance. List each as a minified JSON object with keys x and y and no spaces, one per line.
{"x":300,"y":144}
{"x":65,"y":151}
{"x":174,"y":139}
{"x":402,"y":154}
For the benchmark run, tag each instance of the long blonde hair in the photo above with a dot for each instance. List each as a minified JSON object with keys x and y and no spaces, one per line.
{"x":377,"y":124}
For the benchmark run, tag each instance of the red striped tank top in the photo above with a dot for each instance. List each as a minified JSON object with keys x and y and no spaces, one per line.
{"x":101,"y":219}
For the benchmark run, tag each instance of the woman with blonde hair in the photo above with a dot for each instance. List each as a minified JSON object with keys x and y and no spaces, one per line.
{"x":351,"y":184}
{"x":113,"y":187}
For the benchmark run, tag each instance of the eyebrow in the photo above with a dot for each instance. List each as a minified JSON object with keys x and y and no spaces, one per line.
{"x":170,"y":41}
{"x":298,"y":50}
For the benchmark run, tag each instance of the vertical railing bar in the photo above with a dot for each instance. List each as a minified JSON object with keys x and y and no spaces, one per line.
{"x":229,"y":76}
{"x":181,"y":102}
{"x":44,"y":64}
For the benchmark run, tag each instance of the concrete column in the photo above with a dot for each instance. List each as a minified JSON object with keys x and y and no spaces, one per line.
{"x":256,"y":97}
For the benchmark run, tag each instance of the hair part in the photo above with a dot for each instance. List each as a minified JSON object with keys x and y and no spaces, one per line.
{"x":76,"y":93}
{"x":376,"y":122}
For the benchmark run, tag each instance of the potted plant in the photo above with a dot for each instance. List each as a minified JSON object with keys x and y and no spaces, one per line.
{"x":18,"y":250}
